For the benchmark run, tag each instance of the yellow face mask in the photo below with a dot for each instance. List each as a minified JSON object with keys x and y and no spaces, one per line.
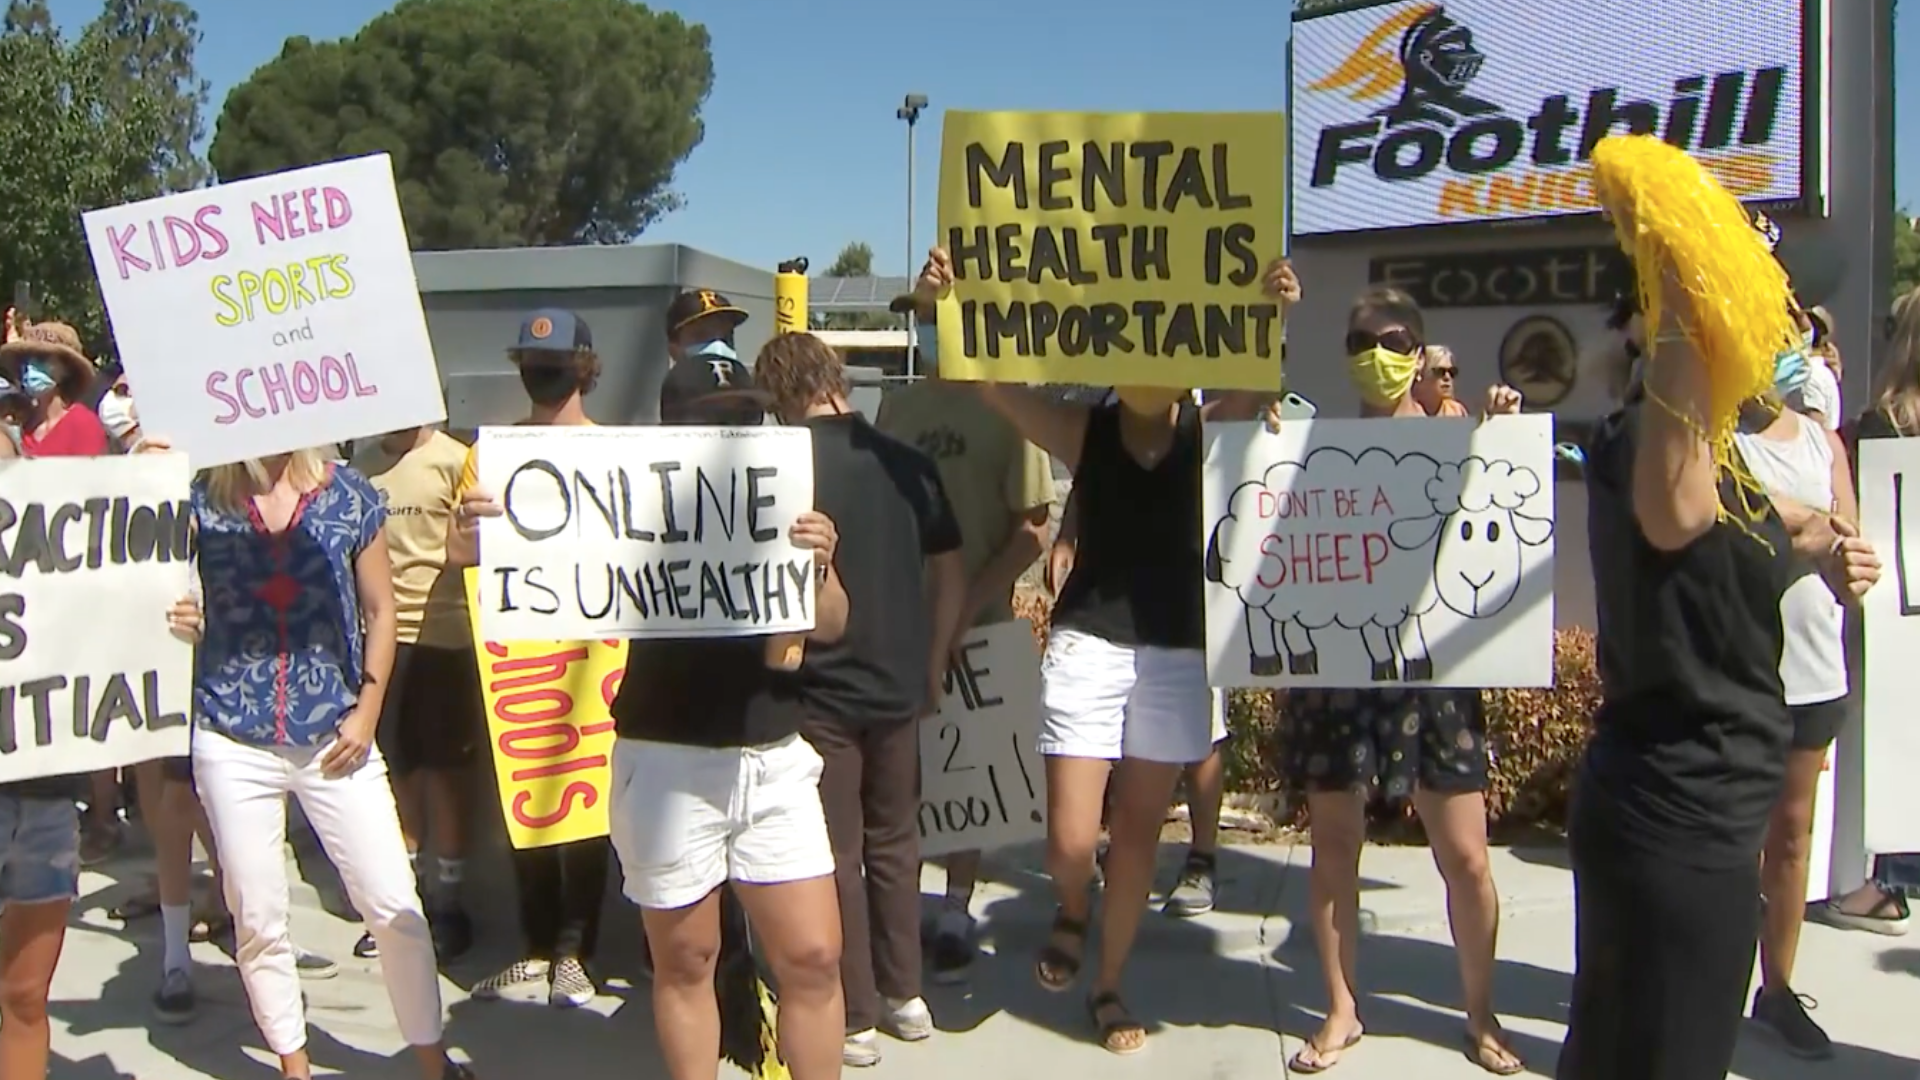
{"x":1148,"y":400}
{"x":1383,"y":376}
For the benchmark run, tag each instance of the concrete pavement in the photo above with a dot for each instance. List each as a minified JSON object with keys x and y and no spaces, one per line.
{"x":1221,"y":989}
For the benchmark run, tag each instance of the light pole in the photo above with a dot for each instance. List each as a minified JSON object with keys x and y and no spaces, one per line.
{"x":909,"y":111}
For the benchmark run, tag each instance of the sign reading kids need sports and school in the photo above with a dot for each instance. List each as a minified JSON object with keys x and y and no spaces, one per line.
{"x":1112,"y":249}
{"x":1414,"y":112}
{"x":270,"y":314}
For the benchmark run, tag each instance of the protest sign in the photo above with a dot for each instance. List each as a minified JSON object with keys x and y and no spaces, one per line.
{"x":270,"y":314}
{"x":645,"y":532}
{"x":1890,"y":741}
{"x":1369,"y":553}
{"x":549,"y":724}
{"x":1112,"y":249}
{"x":982,"y":784}
{"x":93,"y":551}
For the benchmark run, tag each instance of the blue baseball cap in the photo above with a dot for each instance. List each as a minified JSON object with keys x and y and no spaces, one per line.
{"x":554,"y":330}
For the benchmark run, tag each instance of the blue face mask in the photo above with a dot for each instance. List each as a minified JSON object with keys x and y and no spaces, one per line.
{"x":717,"y":348}
{"x":35,"y":379}
{"x":1791,"y":370}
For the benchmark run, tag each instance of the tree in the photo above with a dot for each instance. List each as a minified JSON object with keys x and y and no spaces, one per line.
{"x":152,"y":43}
{"x":75,"y":136}
{"x":854,"y":261}
{"x":510,"y":123}
{"x":1906,"y":255}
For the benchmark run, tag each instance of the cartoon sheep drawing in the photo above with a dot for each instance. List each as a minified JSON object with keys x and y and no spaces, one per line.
{"x":1468,"y":512}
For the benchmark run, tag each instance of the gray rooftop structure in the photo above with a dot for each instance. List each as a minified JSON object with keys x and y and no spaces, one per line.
{"x":475,"y":301}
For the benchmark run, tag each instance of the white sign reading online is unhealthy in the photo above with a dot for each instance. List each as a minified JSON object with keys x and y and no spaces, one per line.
{"x":654,"y":532}
{"x":982,"y":782}
{"x":80,"y":537}
{"x":270,"y":314}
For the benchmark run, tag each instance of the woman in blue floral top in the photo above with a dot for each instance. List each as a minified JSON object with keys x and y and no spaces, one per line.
{"x":298,"y":646}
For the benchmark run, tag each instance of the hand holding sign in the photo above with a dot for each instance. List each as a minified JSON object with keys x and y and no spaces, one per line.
{"x":1281,"y":282}
{"x":185,"y":620}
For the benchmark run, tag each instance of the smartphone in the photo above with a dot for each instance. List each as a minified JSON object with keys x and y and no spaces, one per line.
{"x":1295,"y":407}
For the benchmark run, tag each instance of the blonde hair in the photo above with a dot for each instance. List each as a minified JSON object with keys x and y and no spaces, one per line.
{"x":1431,"y":355}
{"x":1897,"y":392}
{"x":230,"y":486}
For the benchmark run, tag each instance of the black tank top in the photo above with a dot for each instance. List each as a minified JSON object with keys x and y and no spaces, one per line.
{"x":1136,"y":576}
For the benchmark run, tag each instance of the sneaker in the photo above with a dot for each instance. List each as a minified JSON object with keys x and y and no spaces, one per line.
{"x":519,"y":973}
{"x":366,"y":948}
{"x":861,"y":1050}
{"x":452,"y":932}
{"x":1100,"y":864}
{"x":572,"y":987}
{"x":98,"y":841}
{"x":950,"y":954}
{"x":1894,"y":924}
{"x":174,"y":1002}
{"x":1193,"y":893}
{"x":1785,"y":1014}
{"x":313,"y":965}
{"x":908,"y":1021}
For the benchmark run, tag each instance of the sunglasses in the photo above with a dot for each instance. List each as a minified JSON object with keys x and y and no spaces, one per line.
{"x":1399,"y":339}
{"x":1445,"y":372}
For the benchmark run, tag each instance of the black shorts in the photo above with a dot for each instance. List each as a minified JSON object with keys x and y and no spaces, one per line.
{"x":1816,"y":726}
{"x":1387,"y":742}
{"x":433,"y":716}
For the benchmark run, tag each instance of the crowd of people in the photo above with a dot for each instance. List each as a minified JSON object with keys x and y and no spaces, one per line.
{"x":335,"y":663}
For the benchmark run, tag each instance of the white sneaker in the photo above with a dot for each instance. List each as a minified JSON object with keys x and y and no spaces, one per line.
{"x":908,"y":1021}
{"x":862,"y":1050}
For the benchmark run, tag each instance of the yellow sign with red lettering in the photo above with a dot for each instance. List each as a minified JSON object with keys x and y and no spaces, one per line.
{"x":551,"y":730}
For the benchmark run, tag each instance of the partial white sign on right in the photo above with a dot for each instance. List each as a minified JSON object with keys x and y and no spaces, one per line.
{"x":1890,"y":521}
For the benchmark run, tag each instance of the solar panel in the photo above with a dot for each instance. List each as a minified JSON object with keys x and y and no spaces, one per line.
{"x":855,"y":293}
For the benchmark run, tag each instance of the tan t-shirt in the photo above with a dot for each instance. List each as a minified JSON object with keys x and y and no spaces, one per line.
{"x":993,"y":477}
{"x":421,"y":489}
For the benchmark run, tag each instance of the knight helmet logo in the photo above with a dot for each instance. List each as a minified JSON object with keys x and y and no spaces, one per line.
{"x":1437,"y":63}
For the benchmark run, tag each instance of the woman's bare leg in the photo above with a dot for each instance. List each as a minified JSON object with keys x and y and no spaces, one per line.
{"x":30,"y":939}
{"x":1076,"y":790}
{"x":686,"y":1015}
{"x":796,"y":927}
{"x":1339,"y":821}
{"x":1141,"y":793}
{"x":1456,"y":826}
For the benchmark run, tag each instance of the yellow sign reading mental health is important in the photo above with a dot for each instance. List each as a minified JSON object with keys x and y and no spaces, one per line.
{"x":551,"y":730}
{"x":1112,"y":249}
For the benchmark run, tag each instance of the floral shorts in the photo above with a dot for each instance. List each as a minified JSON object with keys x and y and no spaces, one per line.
{"x":1388,"y":742}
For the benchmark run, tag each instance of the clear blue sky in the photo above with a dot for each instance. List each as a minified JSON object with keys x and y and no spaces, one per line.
{"x":803,"y":152}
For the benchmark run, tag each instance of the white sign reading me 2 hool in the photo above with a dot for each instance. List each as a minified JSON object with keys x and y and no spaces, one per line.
{"x":644,"y":532}
{"x":982,"y":783}
{"x":93,"y":551}
{"x":270,"y":314}
{"x":1411,"y":112}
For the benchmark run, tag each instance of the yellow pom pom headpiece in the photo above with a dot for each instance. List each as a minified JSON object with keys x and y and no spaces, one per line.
{"x":1676,"y":223}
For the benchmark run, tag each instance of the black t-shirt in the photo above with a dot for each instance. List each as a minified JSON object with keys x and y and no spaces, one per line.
{"x":1137,"y":575}
{"x":715,"y":692}
{"x":1690,"y":743}
{"x":891,"y":512}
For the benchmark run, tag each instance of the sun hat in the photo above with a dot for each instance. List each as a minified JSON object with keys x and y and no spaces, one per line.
{"x":55,"y":340}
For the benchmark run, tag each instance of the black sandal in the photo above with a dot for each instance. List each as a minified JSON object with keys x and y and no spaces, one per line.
{"x":1116,"y":1036}
{"x":1055,"y":969}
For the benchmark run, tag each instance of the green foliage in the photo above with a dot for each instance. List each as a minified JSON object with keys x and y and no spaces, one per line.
{"x":152,"y":44}
{"x":511,"y":123}
{"x":76,"y":135}
{"x":1906,"y":255}
{"x":854,"y":260}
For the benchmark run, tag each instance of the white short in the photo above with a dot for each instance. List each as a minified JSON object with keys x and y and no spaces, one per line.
{"x":1102,"y":700}
{"x":687,"y":819}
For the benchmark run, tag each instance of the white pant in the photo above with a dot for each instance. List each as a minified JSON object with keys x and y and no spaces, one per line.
{"x":1099,"y":699}
{"x":244,"y":789}
{"x":687,"y":819}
